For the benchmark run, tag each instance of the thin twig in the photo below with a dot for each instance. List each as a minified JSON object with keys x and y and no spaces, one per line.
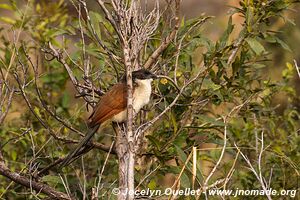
{"x":38,"y":187}
{"x":297,"y":68}
{"x":220,"y":158}
{"x":102,"y":170}
{"x":166,"y":41}
{"x":258,"y":174}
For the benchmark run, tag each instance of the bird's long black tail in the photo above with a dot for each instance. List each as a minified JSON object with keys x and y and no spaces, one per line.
{"x":90,"y":133}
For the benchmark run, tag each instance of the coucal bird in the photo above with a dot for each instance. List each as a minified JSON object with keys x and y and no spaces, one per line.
{"x":113,"y":106}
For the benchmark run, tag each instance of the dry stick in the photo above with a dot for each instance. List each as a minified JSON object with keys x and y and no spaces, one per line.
{"x":43,"y":123}
{"x":166,"y":41}
{"x":194,"y":171}
{"x":59,"y":57}
{"x":236,"y":46}
{"x":84,"y":179}
{"x":297,"y":68}
{"x":8,"y":104}
{"x":111,"y":20}
{"x":102,"y":170}
{"x":258,"y":176}
{"x":52,"y":133}
{"x":38,"y":187}
{"x":84,"y":57}
{"x":94,"y":195}
{"x":142,"y":29}
{"x":149,"y":174}
{"x":122,"y":153}
{"x":14,"y":138}
{"x":180,"y":174}
{"x":129,"y":131}
{"x":225,"y":180}
{"x":131,"y":45}
{"x":43,"y":102}
{"x":220,"y":158}
{"x":12,"y":58}
{"x":232,"y":169}
{"x":225,"y":119}
{"x":65,"y":184}
{"x":83,"y":151}
{"x":110,"y":54}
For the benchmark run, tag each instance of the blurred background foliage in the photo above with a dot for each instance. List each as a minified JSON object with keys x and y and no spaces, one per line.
{"x":262,"y":74}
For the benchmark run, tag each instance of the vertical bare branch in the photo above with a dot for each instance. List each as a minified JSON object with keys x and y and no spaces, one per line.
{"x":133,"y":29}
{"x":129,"y":131}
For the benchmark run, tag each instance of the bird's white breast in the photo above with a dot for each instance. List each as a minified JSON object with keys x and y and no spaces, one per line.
{"x":141,"y":97}
{"x":142,"y":93}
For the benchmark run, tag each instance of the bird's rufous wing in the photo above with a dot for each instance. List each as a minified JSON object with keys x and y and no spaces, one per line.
{"x":113,"y":102}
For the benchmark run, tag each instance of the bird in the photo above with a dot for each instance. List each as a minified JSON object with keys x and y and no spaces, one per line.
{"x":113,"y":106}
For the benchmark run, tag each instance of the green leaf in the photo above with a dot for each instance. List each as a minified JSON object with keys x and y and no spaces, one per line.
{"x":153,"y":140}
{"x":174,"y":122}
{"x":65,"y":100}
{"x":71,"y":30}
{"x":181,"y":153}
{"x":152,"y":184}
{"x":182,"y":24}
{"x":249,"y":17}
{"x":209,"y":84}
{"x":181,"y":138}
{"x":96,"y":18}
{"x":37,"y":111}
{"x":7,"y":20}
{"x":185,"y":181}
{"x":224,"y":39}
{"x":6,"y":6}
{"x":210,"y":120}
{"x":258,"y":65}
{"x":174,"y":169}
{"x":255,"y":46}
{"x":51,"y":179}
{"x":283,"y":44}
{"x":14,"y":155}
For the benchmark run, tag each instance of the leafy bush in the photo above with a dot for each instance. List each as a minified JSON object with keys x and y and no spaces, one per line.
{"x":223,"y":117}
